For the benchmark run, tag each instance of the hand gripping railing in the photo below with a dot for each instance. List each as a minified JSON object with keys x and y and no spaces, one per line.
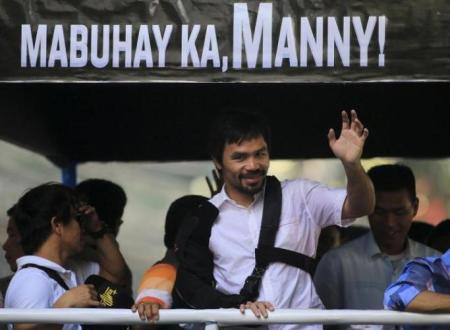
{"x":214,"y":318}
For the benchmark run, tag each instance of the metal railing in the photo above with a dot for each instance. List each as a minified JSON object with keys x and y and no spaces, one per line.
{"x":215,"y":318}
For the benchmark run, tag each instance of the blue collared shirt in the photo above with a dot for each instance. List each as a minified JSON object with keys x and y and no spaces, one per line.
{"x":429,"y":273}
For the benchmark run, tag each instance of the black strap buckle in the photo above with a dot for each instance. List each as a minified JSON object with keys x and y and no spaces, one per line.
{"x":258,"y":272}
{"x":250,"y":290}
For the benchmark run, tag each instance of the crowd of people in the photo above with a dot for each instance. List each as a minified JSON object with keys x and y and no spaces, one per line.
{"x":252,"y":245}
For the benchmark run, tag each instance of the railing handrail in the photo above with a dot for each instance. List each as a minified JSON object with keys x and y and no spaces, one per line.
{"x":219,"y":316}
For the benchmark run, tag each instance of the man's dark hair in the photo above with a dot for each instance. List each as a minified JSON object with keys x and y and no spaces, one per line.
{"x":35,"y":210}
{"x":178,"y":210}
{"x":10,"y":211}
{"x":393,"y":177}
{"x":236,"y":127}
{"x":420,"y":231}
{"x":439,"y":238}
{"x":108,"y":198}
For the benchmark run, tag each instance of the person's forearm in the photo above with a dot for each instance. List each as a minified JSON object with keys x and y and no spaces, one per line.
{"x":360,"y":199}
{"x":429,"y":302}
{"x":112,"y":264}
{"x":157,"y":284}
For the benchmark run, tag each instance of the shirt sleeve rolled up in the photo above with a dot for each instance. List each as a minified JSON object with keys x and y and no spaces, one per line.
{"x":415,"y":278}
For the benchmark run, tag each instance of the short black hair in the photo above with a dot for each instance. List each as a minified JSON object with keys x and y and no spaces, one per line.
{"x":108,"y":198}
{"x":439,"y":236}
{"x":35,"y":210}
{"x":420,"y":231}
{"x":443,"y":227}
{"x":178,"y":210}
{"x":393,"y":177}
{"x":10,"y":210}
{"x":236,"y":126}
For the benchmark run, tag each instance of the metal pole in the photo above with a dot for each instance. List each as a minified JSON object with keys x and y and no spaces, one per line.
{"x":69,"y":175}
{"x":222,"y":317}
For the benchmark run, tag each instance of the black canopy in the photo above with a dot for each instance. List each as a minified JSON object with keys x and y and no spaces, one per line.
{"x":169,"y":122}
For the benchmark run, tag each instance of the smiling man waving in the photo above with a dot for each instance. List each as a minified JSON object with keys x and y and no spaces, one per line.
{"x":251,"y":246}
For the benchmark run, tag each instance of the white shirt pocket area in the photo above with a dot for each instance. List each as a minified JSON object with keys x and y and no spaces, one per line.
{"x":298,"y":235}
{"x":288,"y":234}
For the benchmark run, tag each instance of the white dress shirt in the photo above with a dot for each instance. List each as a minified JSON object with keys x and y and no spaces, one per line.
{"x":32,"y":288}
{"x":306,"y":208}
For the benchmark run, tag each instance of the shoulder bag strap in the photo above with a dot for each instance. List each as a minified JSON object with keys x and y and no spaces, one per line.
{"x":53,"y":274}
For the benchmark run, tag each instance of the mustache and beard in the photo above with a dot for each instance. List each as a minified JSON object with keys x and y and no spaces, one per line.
{"x":252,"y":188}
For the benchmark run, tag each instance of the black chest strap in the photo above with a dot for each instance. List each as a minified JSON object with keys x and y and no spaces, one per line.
{"x":266,"y":253}
{"x":53,"y":274}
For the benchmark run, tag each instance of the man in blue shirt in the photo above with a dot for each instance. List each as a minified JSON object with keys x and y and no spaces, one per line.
{"x":423,"y":286}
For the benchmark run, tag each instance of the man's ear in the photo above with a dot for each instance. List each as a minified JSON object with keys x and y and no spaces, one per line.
{"x":56,"y":226}
{"x":416,"y":206}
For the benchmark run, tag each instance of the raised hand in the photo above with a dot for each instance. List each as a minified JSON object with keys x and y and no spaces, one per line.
{"x":349,"y":146}
{"x":84,"y":295}
{"x":90,"y":219}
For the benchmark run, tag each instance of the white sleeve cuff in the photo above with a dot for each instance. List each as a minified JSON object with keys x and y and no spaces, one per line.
{"x":159,"y":294}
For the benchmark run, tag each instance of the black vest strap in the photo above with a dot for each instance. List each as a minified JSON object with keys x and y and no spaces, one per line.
{"x":269,"y":254}
{"x":266,"y":253}
{"x":53,"y":274}
{"x":271,"y":213}
{"x":269,"y":227}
